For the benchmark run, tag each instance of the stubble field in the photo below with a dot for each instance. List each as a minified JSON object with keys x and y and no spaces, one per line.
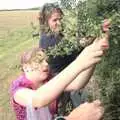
{"x":16,"y":28}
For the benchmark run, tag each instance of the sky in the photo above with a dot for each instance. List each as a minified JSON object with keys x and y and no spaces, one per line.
{"x":22,"y":4}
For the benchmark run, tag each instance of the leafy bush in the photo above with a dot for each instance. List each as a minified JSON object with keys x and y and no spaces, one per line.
{"x":91,"y":12}
{"x":84,"y":20}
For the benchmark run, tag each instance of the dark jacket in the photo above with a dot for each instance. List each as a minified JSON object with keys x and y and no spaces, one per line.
{"x":57,"y":63}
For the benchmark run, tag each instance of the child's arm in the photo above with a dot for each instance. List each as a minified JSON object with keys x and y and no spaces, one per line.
{"x":81,"y":80}
{"x":52,"y":89}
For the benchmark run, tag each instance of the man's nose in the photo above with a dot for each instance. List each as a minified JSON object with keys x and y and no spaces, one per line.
{"x":58,"y":22}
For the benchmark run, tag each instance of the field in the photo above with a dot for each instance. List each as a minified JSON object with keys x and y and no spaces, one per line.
{"x":16,"y":28}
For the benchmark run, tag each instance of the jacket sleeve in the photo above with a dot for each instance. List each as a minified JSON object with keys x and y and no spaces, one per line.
{"x":43,"y":42}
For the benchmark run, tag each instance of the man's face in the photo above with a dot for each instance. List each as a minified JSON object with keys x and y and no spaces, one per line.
{"x":54,"y":21}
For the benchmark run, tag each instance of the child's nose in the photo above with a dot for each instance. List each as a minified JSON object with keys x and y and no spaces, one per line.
{"x":45,"y":63}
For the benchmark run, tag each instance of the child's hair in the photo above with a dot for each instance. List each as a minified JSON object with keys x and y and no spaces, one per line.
{"x":45,"y":13}
{"x":37,"y":55}
{"x":34,"y":55}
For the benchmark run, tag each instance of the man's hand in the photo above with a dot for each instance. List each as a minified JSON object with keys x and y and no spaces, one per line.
{"x":87,"y":111}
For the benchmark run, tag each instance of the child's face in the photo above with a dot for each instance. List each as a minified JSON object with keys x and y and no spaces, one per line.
{"x":54,"y":21}
{"x":38,"y":72}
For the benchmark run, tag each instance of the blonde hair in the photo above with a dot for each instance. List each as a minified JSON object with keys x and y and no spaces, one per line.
{"x":34,"y":55}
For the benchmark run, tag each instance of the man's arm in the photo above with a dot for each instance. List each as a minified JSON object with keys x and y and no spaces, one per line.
{"x":86,"y":111}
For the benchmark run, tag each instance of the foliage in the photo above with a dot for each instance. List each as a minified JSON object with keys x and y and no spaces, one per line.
{"x":87,"y":26}
{"x":90,"y":15}
{"x":68,"y":4}
{"x":15,"y":37}
{"x":109,"y":71}
{"x":65,"y":47}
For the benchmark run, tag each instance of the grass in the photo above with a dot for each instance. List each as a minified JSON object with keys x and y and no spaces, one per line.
{"x":15,"y":37}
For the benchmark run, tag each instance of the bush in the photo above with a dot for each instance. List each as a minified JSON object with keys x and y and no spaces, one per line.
{"x":83,"y":21}
{"x":91,"y":12}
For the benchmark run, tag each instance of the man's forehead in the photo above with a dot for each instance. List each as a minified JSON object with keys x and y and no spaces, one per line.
{"x":56,"y":14}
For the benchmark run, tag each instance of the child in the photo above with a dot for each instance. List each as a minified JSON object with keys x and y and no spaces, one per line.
{"x":34,"y":91}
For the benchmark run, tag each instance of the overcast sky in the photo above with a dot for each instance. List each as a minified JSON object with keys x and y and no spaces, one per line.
{"x":21,"y":4}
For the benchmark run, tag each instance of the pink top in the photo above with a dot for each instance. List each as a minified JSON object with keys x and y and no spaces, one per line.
{"x":21,"y":114}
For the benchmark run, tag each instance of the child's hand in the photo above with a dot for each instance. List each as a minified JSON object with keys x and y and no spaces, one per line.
{"x":93,"y":53}
{"x":104,"y":42}
{"x":90,"y":55}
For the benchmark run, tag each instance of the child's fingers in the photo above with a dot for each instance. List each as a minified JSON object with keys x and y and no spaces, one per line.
{"x":99,"y":53}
